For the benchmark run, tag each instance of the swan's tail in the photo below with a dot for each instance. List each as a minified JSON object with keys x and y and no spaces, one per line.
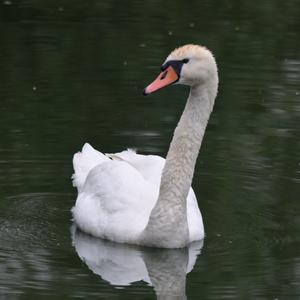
{"x":83,"y":162}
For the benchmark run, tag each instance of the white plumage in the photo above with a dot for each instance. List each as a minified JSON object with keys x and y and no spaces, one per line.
{"x":116,"y":195}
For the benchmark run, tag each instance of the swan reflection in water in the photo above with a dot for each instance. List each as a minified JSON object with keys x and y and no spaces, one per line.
{"x":121,"y":264}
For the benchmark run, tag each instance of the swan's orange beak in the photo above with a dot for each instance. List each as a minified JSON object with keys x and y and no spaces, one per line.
{"x":165,"y":78}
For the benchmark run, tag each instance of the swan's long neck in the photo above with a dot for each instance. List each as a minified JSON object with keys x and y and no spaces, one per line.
{"x":168,"y":219}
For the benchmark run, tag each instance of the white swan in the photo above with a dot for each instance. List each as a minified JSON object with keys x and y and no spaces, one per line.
{"x":144,"y":199}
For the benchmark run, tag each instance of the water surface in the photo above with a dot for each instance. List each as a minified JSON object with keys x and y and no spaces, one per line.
{"x":74,"y":72}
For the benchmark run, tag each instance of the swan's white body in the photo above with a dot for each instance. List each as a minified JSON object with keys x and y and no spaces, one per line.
{"x":145,"y":199}
{"x":116,"y":196}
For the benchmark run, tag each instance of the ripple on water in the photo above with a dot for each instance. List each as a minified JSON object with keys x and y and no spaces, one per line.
{"x":30,"y":238}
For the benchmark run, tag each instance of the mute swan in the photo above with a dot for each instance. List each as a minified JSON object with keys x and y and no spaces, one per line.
{"x":143,"y":199}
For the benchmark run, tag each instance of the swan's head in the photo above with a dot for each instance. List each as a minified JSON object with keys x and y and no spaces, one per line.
{"x":189,"y":65}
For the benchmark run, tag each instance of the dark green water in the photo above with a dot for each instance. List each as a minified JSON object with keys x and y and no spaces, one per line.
{"x":74,"y":71}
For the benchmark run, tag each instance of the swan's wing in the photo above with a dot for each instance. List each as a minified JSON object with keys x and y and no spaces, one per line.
{"x":115,"y":201}
{"x":83,"y":162}
{"x":194,"y":217}
{"x":150,"y":166}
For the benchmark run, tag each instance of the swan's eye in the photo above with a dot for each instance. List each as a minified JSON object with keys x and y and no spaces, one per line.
{"x":185,"y":60}
{"x":163,"y":76}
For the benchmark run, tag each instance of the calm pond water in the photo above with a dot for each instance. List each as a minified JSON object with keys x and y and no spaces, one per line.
{"x":74,"y":71}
